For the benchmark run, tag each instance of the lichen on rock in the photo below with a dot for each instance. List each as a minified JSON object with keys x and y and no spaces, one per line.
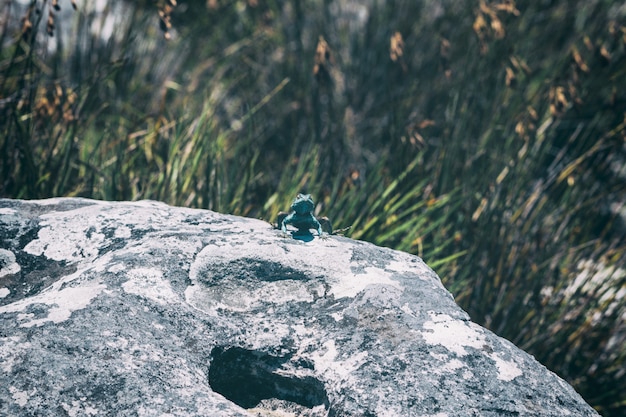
{"x":139,"y":308}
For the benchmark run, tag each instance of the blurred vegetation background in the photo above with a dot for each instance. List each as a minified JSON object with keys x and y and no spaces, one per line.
{"x":488,"y":137}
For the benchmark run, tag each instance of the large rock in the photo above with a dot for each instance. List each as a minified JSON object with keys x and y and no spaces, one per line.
{"x":143,"y":309}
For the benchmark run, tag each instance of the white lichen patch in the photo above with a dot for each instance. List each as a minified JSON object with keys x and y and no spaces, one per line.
{"x":60,"y":241}
{"x":116,"y":268}
{"x":327,"y":360}
{"x":11,"y":349}
{"x":456,"y":336}
{"x":408,"y":310}
{"x":79,"y":234}
{"x":61,"y":298}
{"x":4,"y":292}
{"x":149,"y":283}
{"x":449,"y":365}
{"x":507,"y":370}
{"x":351,"y":284}
{"x":62,"y":303}
{"x":80,"y":408}
{"x":8,"y":266}
{"x":20,"y":397}
{"x":122,"y":232}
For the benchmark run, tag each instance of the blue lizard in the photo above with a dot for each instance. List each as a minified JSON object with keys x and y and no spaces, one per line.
{"x":301,"y":216}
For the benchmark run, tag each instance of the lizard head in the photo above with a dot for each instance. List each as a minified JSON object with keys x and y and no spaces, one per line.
{"x":303,"y":204}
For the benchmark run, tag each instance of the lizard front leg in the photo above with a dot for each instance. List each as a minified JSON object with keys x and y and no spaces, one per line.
{"x":283,"y":225}
{"x":320,"y":232}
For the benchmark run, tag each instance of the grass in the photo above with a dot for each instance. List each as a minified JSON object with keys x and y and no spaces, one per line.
{"x":484,"y":136}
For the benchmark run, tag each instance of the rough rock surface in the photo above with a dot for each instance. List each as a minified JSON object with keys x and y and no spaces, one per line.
{"x":142,"y":309}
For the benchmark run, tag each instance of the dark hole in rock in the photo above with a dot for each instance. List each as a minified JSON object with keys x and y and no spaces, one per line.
{"x":246,"y":377}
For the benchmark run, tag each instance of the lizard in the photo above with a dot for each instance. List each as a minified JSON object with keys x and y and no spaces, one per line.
{"x":302,"y":218}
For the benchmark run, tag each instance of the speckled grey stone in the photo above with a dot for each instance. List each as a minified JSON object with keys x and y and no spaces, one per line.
{"x":142,"y":309}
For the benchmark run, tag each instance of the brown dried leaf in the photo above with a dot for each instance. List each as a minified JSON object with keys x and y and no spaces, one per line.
{"x":426,"y":123}
{"x":479,"y":210}
{"x":165,"y":22}
{"x":416,"y":139}
{"x":579,"y":60}
{"x":396,"y":46}
{"x":444,"y":48}
{"x":484,"y":7}
{"x":50,"y":24}
{"x":520,"y":64}
{"x":604,"y":53}
{"x":479,"y":26}
{"x":573,"y":93}
{"x":322,"y":57}
{"x":510,"y":78}
{"x":498,"y":27}
{"x":507,"y":6}
{"x":558,"y":100}
{"x":27,"y":25}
